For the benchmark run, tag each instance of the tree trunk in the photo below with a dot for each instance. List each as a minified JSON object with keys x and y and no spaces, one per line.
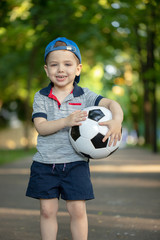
{"x":149,"y":80}
{"x":150,"y":66}
{"x":146,"y":100}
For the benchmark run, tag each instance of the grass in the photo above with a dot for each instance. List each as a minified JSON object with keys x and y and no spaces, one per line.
{"x":7,"y":156}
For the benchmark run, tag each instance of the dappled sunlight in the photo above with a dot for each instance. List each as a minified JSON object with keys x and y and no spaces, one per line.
{"x":25,"y":212}
{"x":126,"y":205}
{"x":11,"y":144}
{"x":118,"y":90}
{"x":16,"y":211}
{"x":130,"y":223}
{"x":13,"y":138}
{"x":21,"y":11}
{"x":16,"y":171}
{"x":97,"y":168}
{"x":109,"y":221}
{"x":92,"y":77}
{"x":126,"y":168}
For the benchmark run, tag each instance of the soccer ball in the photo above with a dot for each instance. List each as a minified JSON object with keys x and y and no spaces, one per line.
{"x":86,"y":139}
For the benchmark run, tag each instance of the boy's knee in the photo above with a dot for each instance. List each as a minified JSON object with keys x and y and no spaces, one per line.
{"x":76,"y":209}
{"x":48,"y":211}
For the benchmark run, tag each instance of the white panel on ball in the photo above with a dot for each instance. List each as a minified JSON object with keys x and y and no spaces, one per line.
{"x":100,"y":153}
{"x":84,"y":145}
{"x":89,"y":129}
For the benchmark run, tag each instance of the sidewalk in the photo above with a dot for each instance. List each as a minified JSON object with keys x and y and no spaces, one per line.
{"x":126,"y":205}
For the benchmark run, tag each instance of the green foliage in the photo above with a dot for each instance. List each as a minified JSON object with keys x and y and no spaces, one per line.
{"x":7,"y":156}
{"x":107,"y":34}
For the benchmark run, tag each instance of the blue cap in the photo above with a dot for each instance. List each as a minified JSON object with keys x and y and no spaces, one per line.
{"x":70,"y":46}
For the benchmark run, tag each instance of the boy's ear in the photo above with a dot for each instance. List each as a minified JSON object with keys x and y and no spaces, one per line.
{"x":46,"y":69}
{"x":79,"y":68}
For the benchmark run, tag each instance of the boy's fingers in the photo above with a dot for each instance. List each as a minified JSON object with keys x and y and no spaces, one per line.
{"x":104,"y":123}
{"x":111,"y":139}
{"x":107,"y":136}
{"x":119,"y":137}
{"x":114,"y":139}
{"x":81,"y":116}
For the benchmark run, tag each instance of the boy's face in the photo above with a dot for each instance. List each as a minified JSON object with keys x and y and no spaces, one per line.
{"x":62,"y":67}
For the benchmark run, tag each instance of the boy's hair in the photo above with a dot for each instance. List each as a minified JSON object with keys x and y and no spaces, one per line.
{"x":58,"y":44}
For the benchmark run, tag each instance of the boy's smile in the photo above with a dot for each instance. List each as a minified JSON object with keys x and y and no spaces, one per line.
{"x":61,"y":78}
{"x":62,"y":68}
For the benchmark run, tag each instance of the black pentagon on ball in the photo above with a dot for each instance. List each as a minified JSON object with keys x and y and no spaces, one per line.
{"x":95,"y":114}
{"x":75,"y":134}
{"x":97,"y":141}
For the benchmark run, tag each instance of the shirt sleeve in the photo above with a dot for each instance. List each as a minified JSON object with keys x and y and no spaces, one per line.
{"x":92,"y":99}
{"x":39,"y":109}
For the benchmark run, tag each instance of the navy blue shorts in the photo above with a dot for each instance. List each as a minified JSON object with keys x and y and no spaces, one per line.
{"x":71,"y":181}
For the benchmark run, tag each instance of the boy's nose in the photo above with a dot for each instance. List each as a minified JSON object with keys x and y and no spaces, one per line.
{"x":60,"y":68}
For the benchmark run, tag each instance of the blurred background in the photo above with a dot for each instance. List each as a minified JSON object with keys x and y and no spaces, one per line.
{"x":120,"y":47}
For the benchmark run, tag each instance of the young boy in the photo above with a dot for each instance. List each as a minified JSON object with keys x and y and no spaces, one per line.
{"x":57,"y":170}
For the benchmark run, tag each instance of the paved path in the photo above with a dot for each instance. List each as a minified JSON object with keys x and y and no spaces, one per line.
{"x":127,"y":204}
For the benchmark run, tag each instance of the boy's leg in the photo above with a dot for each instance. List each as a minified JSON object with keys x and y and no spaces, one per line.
{"x":79,"y":220}
{"x":48,"y":218}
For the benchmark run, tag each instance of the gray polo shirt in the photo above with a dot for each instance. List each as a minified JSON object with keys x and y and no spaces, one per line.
{"x":56,"y":148}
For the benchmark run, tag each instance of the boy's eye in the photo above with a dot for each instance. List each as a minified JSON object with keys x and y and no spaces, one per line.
{"x":53,"y":64}
{"x":68,"y":64}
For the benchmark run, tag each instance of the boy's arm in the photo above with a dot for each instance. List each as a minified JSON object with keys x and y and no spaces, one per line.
{"x":45,"y":127}
{"x":114,"y":125}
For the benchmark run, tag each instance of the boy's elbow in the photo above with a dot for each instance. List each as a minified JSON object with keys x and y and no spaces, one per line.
{"x":105,"y":102}
{"x":40,"y":131}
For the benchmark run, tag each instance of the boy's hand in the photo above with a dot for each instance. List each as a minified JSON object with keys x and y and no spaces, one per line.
{"x":114,"y":131}
{"x":75,"y":118}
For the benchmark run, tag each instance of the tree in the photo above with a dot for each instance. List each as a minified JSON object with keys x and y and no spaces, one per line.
{"x":108,"y":36}
{"x":146,"y":30}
